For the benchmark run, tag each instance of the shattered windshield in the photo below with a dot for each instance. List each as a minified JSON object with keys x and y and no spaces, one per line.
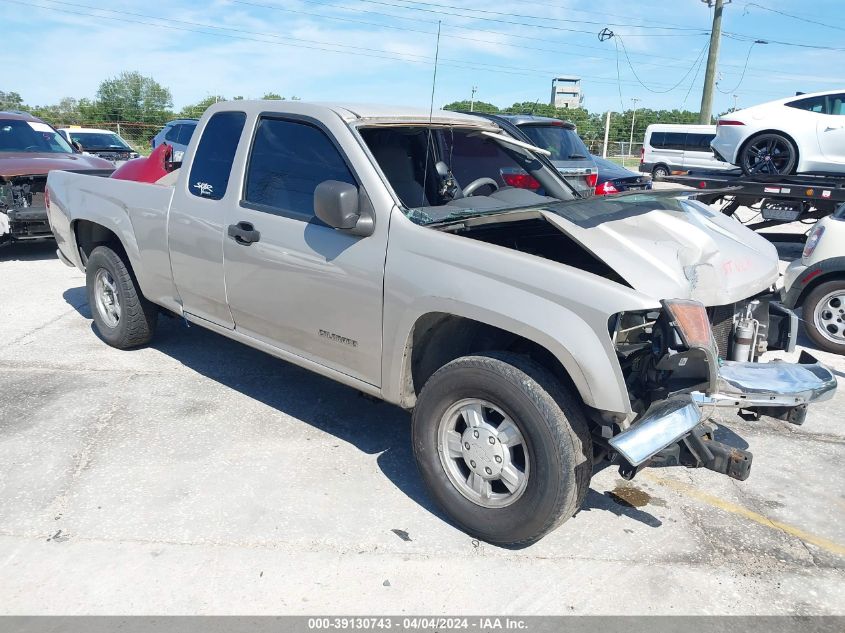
{"x":446,"y":172}
{"x":17,"y":135}
{"x":98,"y":140}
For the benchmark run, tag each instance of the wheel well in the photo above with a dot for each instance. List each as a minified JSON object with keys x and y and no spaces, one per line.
{"x":818,"y":281}
{"x":89,"y":235}
{"x":664,"y":165}
{"x":756,"y":134}
{"x":439,"y":338}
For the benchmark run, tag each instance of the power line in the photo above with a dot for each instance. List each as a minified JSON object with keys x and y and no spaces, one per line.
{"x":519,"y":46}
{"x":742,"y":76}
{"x":301,"y":43}
{"x":634,"y":72}
{"x":534,"y":17}
{"x":793,"y":16}
{"x":510,"y":22}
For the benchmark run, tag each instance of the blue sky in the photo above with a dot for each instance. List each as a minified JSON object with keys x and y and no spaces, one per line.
{"x":382,"y":51}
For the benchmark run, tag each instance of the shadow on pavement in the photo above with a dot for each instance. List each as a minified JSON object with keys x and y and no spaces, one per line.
{"x":376,"y":428}
{"x":29,"y":251}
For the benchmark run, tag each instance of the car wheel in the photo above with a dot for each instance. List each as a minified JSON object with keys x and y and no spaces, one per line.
{"x":661,"y":171}
{"x":123,"y":316}
{"x":768,"y":154}
{"x":824,"y":316}
{"x":502,"y":447}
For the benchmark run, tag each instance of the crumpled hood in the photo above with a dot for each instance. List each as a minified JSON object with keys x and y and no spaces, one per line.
{"x":671,"y":247}
{"x":37,"y":163}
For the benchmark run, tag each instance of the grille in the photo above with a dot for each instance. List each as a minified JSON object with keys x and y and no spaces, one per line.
{"x":722,"y":322}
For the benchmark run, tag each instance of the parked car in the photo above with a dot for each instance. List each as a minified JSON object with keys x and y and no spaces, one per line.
{"x":566,"y":150}
{"x":816,"y":283}
{"x":103,"y":143}
{"x":674,"y":147}
{"x":800,"y":134}
{"x":176,"y":133}
{"x":532,"y":333}
{"x":613,"y":178}
{"x":29,"y":149}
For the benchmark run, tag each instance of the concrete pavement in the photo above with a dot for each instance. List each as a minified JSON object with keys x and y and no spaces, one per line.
{"x":200,"y":476}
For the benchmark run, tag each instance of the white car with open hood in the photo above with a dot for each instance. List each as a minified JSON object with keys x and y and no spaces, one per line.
{"x":533,"y":333}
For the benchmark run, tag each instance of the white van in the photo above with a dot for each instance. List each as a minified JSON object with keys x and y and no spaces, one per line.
{"x":668,"y":148}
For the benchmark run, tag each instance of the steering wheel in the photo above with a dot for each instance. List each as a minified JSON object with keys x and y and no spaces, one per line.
{"x":480,"y":182}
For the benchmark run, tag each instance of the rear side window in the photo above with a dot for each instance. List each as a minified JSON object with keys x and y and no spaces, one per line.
{"x":172,"y":133}
{"x":215,"y":153}
{"x":186,"y":133}
{"x":811,"y":104}
{"x":287,"y":162}
{"x":699,"y":142}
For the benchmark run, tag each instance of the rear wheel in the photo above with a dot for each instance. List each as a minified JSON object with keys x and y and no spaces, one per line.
{"x":502,"y":447}
{"x":768,"y":154}
{"x":824,"y":316}
{"x":123,"y":316}
{"x":660,"y":171}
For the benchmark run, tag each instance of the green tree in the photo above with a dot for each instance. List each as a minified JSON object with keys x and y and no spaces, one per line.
{"x":273,"y":95}
{"x":10,"y":101}
{"x":478,"y":106}
{"x":194,"y":111}
{"x":134,"y":97}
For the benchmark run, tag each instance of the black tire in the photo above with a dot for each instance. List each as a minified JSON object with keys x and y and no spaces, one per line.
{"x":768,"y":154}
{"x":660,"y":171}
{"x":837,"y":314}
{"x":557,"y":440}
{"x":137,"y":320}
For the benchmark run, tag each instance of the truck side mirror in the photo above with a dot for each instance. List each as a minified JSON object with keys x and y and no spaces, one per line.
{"x":77,"y":148}
{"x":342,"y":206}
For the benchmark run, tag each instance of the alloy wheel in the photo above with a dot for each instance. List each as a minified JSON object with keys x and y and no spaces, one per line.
{"x":483,"y":453}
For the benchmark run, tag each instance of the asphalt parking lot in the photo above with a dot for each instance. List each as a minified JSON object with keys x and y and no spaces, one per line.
{"x":200,"y":476}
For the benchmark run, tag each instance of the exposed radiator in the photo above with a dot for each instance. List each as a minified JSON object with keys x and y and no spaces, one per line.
{"x":722,"y":321}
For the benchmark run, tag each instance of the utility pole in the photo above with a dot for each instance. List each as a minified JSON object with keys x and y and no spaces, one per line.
{"x":735,"y":98}
{"x":472,"y":99}
{"x":712,"y":59}
{"x":606,"y":134}
{"x":633,"y":118}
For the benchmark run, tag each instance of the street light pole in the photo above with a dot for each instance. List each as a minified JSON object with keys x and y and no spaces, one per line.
{"x":633,"y":118}
{"x":472,"y":99}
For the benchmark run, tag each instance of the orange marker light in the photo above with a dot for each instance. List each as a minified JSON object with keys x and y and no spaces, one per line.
{"x":691,"y":320}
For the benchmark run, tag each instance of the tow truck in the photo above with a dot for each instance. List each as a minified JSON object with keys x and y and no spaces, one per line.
{"x":777,"y":199}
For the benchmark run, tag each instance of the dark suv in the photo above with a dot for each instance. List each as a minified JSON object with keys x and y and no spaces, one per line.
{"x":568,"y":153}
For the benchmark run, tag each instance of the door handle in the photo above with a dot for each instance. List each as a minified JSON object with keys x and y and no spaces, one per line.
{"x":244,"y":233}
{"x":831,"y":128}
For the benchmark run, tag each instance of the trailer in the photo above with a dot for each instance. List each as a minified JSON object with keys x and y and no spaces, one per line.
{"x":777,"y":199}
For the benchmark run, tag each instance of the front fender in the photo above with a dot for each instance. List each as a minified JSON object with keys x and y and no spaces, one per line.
{"x":561,"y":308}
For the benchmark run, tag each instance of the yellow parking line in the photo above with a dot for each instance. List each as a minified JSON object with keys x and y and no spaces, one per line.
{"x":727,"y":506}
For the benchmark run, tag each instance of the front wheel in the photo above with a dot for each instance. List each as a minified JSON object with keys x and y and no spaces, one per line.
{"x":123,"y":316}
{"x":771,"y":154}
{"x":824,"y":316}
{"x":502,"y":447}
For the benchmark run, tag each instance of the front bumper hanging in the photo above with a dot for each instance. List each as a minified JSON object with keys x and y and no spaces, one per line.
{"x":672,"y":431}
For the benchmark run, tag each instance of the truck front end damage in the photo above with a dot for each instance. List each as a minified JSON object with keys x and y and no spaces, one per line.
{"x":23,"y":213}
{"x":677,"y":377}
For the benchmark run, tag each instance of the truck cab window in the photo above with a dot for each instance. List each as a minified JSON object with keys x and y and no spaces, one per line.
{"x":172,"y":134}
{"x":287,"y":161}
{"x":213,"y":159}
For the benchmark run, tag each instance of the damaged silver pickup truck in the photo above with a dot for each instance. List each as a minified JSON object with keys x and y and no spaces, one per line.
{"x":29,"y":149}
{"x":436,"y":263}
